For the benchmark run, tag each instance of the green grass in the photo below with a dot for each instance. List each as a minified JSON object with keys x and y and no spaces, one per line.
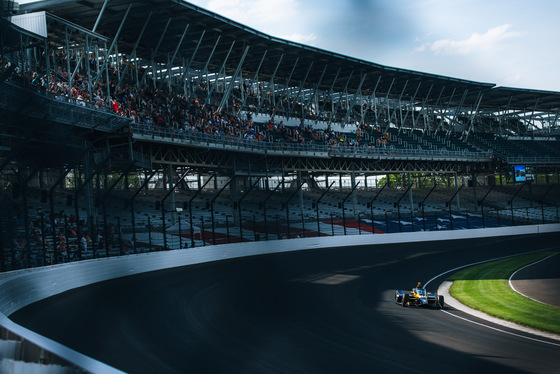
{"x":485,"y":287}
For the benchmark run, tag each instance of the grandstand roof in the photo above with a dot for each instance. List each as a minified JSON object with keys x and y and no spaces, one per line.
{"x":304,"y":64}
{"x":521,"y":99}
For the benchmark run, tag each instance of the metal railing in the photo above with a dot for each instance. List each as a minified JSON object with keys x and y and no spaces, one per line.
{"x":150,"y":132}
{"x":59,"y":108}
{"x":148,"y":234}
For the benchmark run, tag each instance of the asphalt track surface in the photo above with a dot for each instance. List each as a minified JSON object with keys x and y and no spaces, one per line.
{"x":540,"y":281}
{"x":321,"y":311}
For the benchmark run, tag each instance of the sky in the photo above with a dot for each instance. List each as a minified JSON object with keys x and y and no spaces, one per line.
{"x":513,"y":43}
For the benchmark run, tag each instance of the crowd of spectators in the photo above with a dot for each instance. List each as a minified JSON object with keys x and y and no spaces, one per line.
{"x":62,"y":238}
{"x":158,"y":108}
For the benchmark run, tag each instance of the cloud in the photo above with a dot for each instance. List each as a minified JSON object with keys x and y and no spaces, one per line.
{"x":269,"y":16}
{"x":299,"y":38}
{"x":491,"y":40}
{"x":512,"y":80}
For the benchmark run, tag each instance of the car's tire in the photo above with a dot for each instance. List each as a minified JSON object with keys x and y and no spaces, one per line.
{"x":441,"y":301}
{"x":405,"y":299}
{"x":398,"y":298}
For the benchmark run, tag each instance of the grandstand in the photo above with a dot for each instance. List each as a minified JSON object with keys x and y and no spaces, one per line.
{"x":133,"y":126}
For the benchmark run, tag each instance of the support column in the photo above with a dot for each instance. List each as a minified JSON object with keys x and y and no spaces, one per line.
{"x":90,"y":198}
{"x":330,"y":92}
{"x":531,"y":194}
{"x":217,"y":76}
{"x":229,"y":88}
{"x":302,"y":84}
{"x":299,"y":179}
{"x":410,"y":197}
{"x":186,"y":75}
{"x":474,"y":183}
{"x":353,"y":103}
{"x":154,"y":53}
{"x":234,"y":197}
{"x":133,"y":54}
{"x":354,"y":195}
{"x":113,"y":45}
{"x":171,"y":184}
{"x":458,"y":199}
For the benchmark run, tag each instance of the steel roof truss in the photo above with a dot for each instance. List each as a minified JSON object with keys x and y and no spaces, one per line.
{"x":398,"y":107}
{"x":387,"y":102}
{"x":502,"y":117}
{"x":133,"y":54}
{"x":223,"y":68}
{"x":443,"y":113}
{"x":51,"y":17}
{"x":154,"y":53}
{"x":100,"y":15}
{"x":335,"y":109}
{"x":300,"y":89}
{"x":285,"y":91}
{"x":255,"y":78}
{"x":330,"y":93}
{"x":113,"y":44}
{"x":457,"y":109}
{"x":423,"y":110}
{"x":314,"y":97}
{"x":271,"y":83}
{"x":374,"y":102}
{"x":350,"y":107}
{"x":470,"y":124}
{"x":287,"y":85}
{"x":205,"y":70}
{"x":530,"y":121}
{"x":226,"y":95}
{"x":172,"y":60}
{"x":412,"y":106}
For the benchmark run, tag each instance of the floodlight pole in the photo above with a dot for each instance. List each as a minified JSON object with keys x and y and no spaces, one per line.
{"x":371,"y":206}
{"x":481,"y":203}
{"x":190,"y":207}
{"x":343,"y":201}
{"x":212,"y":209}
{"x":287,"y":206}
{"x":510,"y":202}
{"x":449,"y":204}
{"x":317,"y":206}
{"x":162,"y":205}
{"x":264,"y":206}
{"x":79,"y":189}
{"x":239,"y":205}
{"x":51,"y":198}
{"x":144,"y":184}
{"x":422,"y":204}
{"x":541,"y":200}
{"x":399,"y":205}
{"x":103,"y":201}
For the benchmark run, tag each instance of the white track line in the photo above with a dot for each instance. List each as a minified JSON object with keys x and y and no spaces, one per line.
{"x":521,"y":293}
{"x":484,"y":261}
{"x":484,"y":316}
{"x":500,"y":330}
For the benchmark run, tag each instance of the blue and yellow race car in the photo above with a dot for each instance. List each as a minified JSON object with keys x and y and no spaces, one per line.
{"x":419,"y":297}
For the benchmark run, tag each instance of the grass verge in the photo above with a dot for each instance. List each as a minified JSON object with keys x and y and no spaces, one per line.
{"x":485,"y":287}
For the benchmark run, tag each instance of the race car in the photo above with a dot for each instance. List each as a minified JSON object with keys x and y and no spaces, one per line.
{"x":419,"y":297}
